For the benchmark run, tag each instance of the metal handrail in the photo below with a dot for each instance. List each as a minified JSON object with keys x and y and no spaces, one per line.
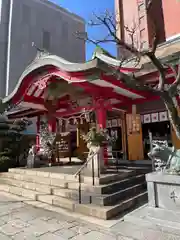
{"x":83,"y":166}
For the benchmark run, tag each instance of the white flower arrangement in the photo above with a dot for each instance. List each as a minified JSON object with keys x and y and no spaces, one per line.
{"x":97,"y":137}
{"x":46,"y":138}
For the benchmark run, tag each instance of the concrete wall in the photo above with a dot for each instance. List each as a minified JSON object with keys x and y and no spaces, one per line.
{"x":29,"y":20}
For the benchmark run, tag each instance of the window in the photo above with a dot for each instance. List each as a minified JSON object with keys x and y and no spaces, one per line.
{"x":26,"y":14}
{"x":141,"y":6}
{"x":46,"y":40}
{"x":65,"y":30}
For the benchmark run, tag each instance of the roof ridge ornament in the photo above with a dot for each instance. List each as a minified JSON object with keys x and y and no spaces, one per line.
{"x":41,"y":52}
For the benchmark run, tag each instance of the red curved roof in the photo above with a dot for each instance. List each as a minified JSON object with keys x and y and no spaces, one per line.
{"x":94,"y":77}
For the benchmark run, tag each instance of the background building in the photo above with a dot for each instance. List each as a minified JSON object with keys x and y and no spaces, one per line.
{"x":171,"y":12}
{"x":49,"y":26}
{"x":164,"y":13}
{"x":133,"y":13}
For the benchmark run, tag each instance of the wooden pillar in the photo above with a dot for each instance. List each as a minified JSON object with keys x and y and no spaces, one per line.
{"x":52,"y":125}
{"x":101,"y":121}
{"x":38,"y":132}
{"x":78,"y":136}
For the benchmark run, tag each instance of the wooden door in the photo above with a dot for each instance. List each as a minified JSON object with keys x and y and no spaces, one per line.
{"x":134,"y":137}
{"x":175,"y":140}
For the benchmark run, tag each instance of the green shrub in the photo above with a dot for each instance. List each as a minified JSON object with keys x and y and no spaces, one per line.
{"x":5,"y":163}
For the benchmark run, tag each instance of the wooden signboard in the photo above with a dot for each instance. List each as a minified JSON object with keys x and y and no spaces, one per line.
{"x":62,"y":146}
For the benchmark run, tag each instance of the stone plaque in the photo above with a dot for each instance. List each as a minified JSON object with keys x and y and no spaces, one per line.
{"x":169,"y":196}
{"x":164,"y":191}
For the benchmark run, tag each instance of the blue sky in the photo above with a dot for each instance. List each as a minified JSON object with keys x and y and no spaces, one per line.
{"x":85,"y":8}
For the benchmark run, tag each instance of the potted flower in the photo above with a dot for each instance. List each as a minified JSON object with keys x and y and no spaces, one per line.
{"x":96,"y":139}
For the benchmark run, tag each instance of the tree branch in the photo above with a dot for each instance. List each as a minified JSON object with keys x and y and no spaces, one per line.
{"x":159,"y":66}
{"x":175,"y":84}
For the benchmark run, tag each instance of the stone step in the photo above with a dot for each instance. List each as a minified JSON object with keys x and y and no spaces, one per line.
{"x":57,"y":201}
{"x":109,"y":177}
{"x":45,"y":173}
{"x":111,"y":187}
{"x":28,"y":185}
{"x":20,"y":191}
{"x":120,"y":185}
{"x":44,"y":184}
{"x":155,"y":218}
{"x":98,"y":199}
{"x":137,"y":232}
{"x":140,"y":170}
{"x":105,"y":212}
{"x":113,"y":198}
{"x":35,"y":179}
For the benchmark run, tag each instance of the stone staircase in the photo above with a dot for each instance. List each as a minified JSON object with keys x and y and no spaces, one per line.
{"x":142,"y":166}
{"x":112,"y":194}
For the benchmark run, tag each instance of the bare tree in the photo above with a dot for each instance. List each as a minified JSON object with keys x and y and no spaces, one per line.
{"x":168,"y":95}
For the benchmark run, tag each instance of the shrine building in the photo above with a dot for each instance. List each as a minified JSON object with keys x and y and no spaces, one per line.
{"x":75,"y":96}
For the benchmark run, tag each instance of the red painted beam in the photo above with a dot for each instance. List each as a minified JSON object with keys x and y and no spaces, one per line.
{"x":136,"y":101}
{"x":34,"y":100}
{"x":90,"y":88}
{"x":28,"y":114}
{"x":104,"y":92}
{"x":73,"y":111}
{"x":118,"y":83}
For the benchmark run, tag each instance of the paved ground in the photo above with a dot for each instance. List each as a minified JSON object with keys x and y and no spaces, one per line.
{"x":21,"y":221}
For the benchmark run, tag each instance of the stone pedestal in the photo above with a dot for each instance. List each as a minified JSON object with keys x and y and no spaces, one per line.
{"x":98,"y":163}
{"x":163,"y":191}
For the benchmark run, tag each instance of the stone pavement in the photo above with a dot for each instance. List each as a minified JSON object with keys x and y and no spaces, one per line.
{"x":21,"y":221}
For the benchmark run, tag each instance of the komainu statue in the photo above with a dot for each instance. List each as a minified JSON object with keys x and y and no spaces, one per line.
{"x":166,"y":159}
